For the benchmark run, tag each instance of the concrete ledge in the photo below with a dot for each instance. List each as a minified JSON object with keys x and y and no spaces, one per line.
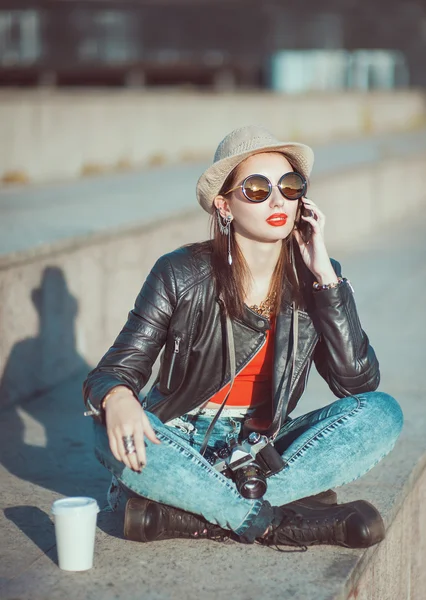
{"x":76,"y":294}
{"x":89,"y":283}
{"x":64,"y":304}
{"x":50,"y":213}
{"x":46,"y":453}
{"x":395,"y":569}
{"x":50,"y":135}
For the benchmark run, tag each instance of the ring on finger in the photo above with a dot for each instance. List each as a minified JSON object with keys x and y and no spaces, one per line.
{"x":129,"y":444}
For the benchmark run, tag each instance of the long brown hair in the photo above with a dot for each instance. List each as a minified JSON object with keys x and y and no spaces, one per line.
{"x":232,"y":280}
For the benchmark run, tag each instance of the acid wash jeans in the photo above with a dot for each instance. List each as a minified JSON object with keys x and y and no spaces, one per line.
{"x":323,"y":449}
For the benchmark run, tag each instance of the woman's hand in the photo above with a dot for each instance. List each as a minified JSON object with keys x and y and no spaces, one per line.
{"x":125,"y":416}
{"x":314,"y":253}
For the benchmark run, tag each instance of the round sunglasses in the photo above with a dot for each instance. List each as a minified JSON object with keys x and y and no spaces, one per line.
{"x":258,"y":188}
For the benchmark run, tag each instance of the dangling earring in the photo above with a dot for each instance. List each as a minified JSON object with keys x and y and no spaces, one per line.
{"x":225,"y":229}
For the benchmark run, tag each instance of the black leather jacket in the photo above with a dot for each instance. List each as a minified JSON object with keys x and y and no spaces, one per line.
{"x":177,"y":307}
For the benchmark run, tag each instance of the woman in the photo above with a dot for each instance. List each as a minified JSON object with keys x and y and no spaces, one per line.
{"x":242,"y":317}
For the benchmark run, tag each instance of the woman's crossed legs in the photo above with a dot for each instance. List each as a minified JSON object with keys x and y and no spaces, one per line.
{"x":325,"y":448}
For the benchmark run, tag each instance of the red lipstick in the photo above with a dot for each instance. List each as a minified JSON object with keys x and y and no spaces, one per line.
{"x":277,"y":219}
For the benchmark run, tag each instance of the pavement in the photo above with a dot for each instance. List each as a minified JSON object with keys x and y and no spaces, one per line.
{"x":46,"y":453}
{"x":43,"y":214}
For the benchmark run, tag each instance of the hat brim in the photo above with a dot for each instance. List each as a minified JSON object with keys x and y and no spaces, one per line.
{"x":211,"y":181}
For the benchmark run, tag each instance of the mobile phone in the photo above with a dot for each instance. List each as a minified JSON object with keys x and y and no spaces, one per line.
{"x":304,"y":227}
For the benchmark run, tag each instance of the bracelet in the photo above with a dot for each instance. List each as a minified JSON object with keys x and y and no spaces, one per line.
{"x":113,"y":391}
{"x":327,"y":286}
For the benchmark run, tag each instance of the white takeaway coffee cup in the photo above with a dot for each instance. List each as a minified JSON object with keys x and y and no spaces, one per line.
{"x":75,"y":527}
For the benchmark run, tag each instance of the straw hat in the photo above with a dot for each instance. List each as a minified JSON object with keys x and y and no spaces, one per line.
{"x":239,"y":145}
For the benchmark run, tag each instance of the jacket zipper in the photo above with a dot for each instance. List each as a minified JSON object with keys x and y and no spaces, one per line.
{"x":177,"y":340}
{"x":243,"y":366}
{"x":293,"y":385}
{"x":279,"y":410}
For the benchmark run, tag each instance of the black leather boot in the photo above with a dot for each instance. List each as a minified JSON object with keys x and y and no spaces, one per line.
{"x":355,"y":524}
{"x":146,"y":521}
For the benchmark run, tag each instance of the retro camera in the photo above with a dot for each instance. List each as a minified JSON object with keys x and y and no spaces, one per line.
{"x":248,"y":463}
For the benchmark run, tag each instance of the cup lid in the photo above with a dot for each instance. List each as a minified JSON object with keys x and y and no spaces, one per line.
{"x":76,"y":504}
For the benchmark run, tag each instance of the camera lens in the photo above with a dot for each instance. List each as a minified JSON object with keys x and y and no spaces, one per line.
{"x":250,"y":481}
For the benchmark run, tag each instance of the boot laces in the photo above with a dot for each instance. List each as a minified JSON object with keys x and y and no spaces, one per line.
{"x":295,"y":529}
{"x":279,"y":537}
{"x":185,"y":524}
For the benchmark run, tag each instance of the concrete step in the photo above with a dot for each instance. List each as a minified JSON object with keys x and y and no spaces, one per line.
{"x":45,"y":449}
{"x":46,"y":214}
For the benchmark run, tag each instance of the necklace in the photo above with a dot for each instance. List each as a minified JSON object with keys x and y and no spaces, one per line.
{"x":266,"y":307}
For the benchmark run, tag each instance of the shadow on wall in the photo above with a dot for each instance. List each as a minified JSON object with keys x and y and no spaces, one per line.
{"x":37,"y":365}
{"x":45,"y":439}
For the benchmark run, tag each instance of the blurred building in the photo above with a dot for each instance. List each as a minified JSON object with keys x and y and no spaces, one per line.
{"x":298,"y":71}
{"x":214,"y":43}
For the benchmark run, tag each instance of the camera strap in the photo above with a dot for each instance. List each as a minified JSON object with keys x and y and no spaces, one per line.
{"x":295,"y":323}
{"x":232,"y":363}
{"x":232,"y":366}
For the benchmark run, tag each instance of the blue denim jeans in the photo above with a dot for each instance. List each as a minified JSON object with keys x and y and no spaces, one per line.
{"x":323,"y":449}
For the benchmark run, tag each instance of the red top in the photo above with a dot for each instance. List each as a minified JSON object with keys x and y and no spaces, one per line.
{"x":253,"y":385}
